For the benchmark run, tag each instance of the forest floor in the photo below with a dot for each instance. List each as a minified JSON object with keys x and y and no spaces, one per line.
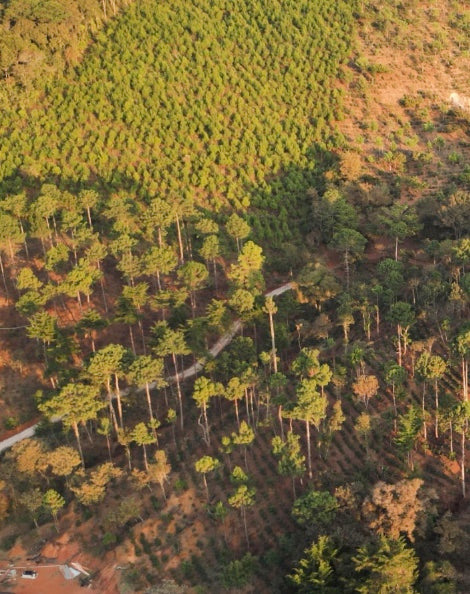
{"x":182,"y":529}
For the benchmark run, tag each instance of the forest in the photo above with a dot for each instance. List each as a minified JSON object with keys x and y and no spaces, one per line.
{"x":240,"y":324}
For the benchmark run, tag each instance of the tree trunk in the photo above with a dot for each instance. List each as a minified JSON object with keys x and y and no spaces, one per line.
{"x":436,"y":419}
{"x":205,"y":485}
{"x":399,"y":344}
{"x":77,"y":436}
{"x":108,"y":444}
{"x":112,"y":414}
{"x":247,"y":406}
{"x":246,"y":527}
{"x":214,"y":264}
{"x":118,"y":399}
{"x":131,"y":334}
{"x":180,"y":240}
{"x":3,"y":277}
{"x":206,"y":423}
{"x":163,"y":490}
{"x":146,"y":464}
{"x":178,"y":389}
{"x":423,"y":406}
{"x":279,"y":415}
{"x":149,"y":405}
{"x":462,"y":469}
{"x":309,"y":453}
{"x":273,"y":342}
{"x":103,"y":293}
{"x":236,"y":412}
{"x":346,"y":264}
{"x":465,"y":378}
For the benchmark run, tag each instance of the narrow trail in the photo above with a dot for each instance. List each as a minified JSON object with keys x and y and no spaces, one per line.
{"x":191,"y":371}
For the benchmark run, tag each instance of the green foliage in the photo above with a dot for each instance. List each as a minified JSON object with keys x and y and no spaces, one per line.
{"x":315,"y":508}
{"x":314,"y":572}
{"x":291,"y":460}
{"x":239,"y":572}
{"x":409,"y":425}
{"x":390,"y":567}
{"x":53,"y":501}
{"x":142,"y":124}
{"x":206,"y":464}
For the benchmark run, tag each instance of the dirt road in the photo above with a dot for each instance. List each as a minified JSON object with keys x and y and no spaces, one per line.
{"x":183,"y":375}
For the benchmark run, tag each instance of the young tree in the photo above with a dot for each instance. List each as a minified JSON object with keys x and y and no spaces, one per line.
{"x":219,"y":512}
{"x":403,"y":316}
{"x":270,"y":308}
{"x":88,"y":200}
{"x":243,"y":497}
{"x":314,"y":573}
{"x":205,"y":465}
{"x":436,"y":369}
{"x":75,"y":404}
{"x":310,"y":408}
{"x":307,"y":365}
{"x":395,"y":376}
{"x":462,"y":415}
{"x":105,"y":364}
{"x":210,"y":250}
{"x":315,"y":509}
{"x":43,"y":326}
{"x":142,"y":437}
{"x":291,"y":460}
{"x":89,"y":323}
{"x":93,"y":491}
{"x":389,"y":567}
{"x":172,"y":342}
{"x":137,"y":297}
{"x":234,"y":391}
{"x":63,"y":461}
{"x":408,"y":431}
{"x":32,"y":501}
{"x":160,"y":470}
{"x":160,"y":260}
{"x":204,"y":390}
{"x":315,"y":284}
{"x":54,"y":502}
{"x":345,"y":317}
{"x":462,"y":346}
{"x":365,"y":387}
{"x":352,"y":244}
{"x":423,"y":373}
{"x":145,"y":371}
{"x":193,"y":275}
{"x":400,"y":222}
{"x":363,"y":428}
{"x":246,"y":274}
{"x":245,"y":437}
{"x":242,"y":302}
{"x":237,"y":228}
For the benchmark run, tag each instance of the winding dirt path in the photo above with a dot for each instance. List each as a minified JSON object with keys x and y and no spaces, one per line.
{"x":183,"y":375}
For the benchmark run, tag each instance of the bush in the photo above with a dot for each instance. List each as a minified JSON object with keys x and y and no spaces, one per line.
{"x":11,"y":422}
{"x":239,"y":572}
{"x":109,"y":539}
{"x":180,"y":485}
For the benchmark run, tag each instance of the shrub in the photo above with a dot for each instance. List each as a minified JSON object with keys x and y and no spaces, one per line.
{"x":238,"y":573}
